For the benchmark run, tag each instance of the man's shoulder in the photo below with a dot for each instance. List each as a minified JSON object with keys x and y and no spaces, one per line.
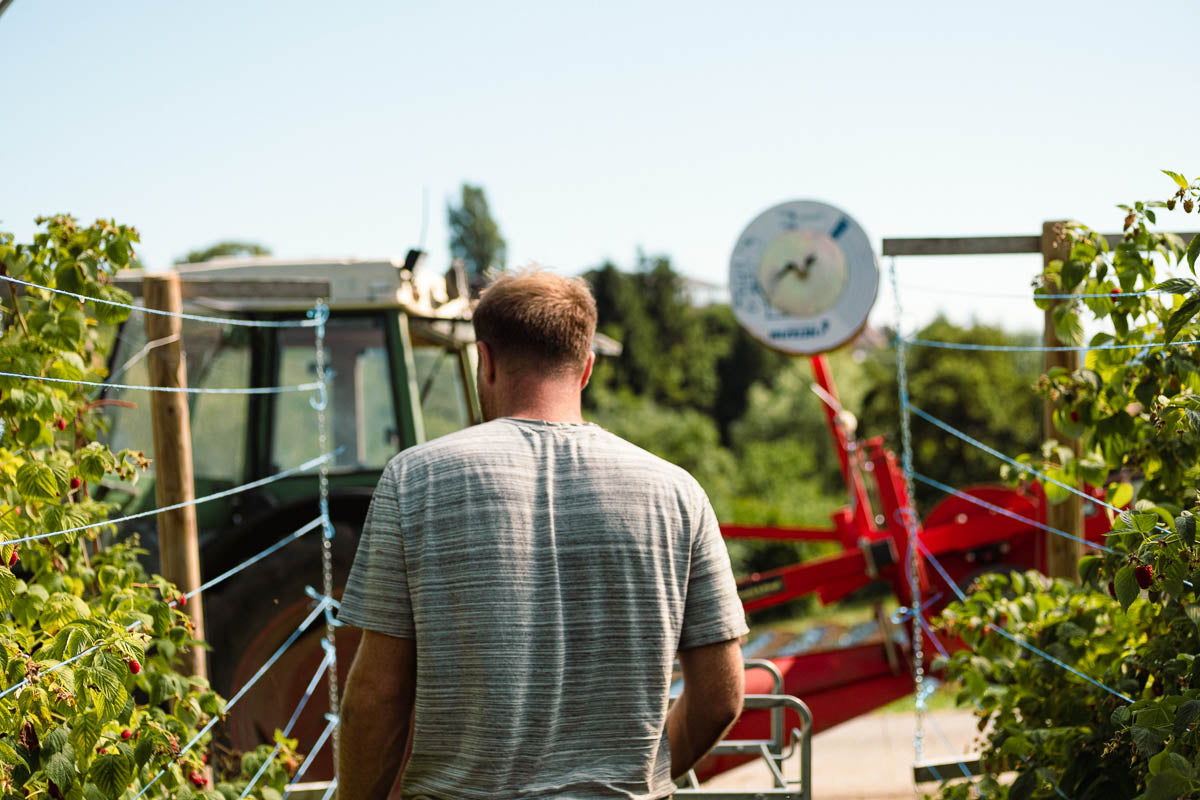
{"x":636,"y":456}
{"x":468,"y":442}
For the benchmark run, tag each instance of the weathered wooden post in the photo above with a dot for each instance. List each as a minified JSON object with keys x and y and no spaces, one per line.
{"x":178,"y":545}
{"x":1062,"y":554}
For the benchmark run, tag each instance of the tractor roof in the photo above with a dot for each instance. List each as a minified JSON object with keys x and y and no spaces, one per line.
{"x":276,"y":284}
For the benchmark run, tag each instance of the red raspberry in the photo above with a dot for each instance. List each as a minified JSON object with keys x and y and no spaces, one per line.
{"x":12,"y":560}
{"x":76,"y":483}
{"x":1112,"y":590}
{"x":1074,"y":416}
{"x":183,"y":601}
{"x":126,"y":734}
{"x":1115,"y":292}
{"x":134,"y":666}
{"x":1144,"y":574}
{"x":60,"y":423}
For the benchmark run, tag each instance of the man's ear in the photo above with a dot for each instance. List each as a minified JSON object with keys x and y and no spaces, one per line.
{"x":587,"y":371}
{"x":487,"y":364}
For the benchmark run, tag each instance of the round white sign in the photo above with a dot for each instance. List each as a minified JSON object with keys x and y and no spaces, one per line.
{"x":803,"y":277}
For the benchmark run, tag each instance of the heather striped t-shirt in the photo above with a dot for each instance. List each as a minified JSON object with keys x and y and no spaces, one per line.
{"x":548,"y":572}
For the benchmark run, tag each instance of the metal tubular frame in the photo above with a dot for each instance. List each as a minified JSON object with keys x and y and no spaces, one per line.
{"x":774,"y":751}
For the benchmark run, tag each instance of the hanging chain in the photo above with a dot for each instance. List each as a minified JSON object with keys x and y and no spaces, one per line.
{"x":909,"y":518}
{"x":321,"y":404}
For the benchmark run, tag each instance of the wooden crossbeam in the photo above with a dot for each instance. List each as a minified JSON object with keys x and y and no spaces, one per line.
{"x":980,"y":245}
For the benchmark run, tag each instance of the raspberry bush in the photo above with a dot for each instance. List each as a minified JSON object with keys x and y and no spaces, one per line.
{"x":106,"y":723}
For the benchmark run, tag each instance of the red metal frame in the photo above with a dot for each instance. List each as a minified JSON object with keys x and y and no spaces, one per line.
{"x":967,"y":539}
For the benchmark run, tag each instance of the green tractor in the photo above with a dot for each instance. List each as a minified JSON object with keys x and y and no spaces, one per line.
{"x":400,"y":371}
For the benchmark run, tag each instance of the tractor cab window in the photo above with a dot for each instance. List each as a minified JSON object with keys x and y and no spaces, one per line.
{"x":361,"y":414}
{"x":217,"y":357}
{"x":441,"y":387}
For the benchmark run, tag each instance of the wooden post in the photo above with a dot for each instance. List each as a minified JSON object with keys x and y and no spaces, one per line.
{"x":1062,"y":554}
{"x":178,"y":545}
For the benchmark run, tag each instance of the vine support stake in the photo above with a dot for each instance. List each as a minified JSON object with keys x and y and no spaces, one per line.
{"x":1062,"y":554}
{"x":178,"y":544}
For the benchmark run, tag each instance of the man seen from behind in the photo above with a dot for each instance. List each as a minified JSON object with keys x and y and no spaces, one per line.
{"x":524,"y":585}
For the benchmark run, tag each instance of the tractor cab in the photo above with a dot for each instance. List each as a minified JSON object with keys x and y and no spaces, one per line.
{"x":400,"y":371}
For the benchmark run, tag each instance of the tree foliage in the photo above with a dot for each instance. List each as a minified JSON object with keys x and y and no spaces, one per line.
{"x":988,"y":395}
{"x":1132,"y":622}
{"x":475,"y":236}
{"x":676,"y":354}
{"x":224,"y":250}
{"x":92,"y":636}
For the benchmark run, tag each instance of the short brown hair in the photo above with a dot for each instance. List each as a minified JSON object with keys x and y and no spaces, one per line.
{"x":537,"y":318}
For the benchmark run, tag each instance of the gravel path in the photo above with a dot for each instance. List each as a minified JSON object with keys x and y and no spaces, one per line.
{"x":869,"y":758}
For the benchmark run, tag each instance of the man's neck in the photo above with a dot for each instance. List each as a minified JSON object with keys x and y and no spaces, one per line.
{"x":549,"y":402}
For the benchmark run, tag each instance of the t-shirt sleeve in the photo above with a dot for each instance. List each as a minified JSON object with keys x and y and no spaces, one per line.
{"x":712,"y":611}
{"x":376,"y":596}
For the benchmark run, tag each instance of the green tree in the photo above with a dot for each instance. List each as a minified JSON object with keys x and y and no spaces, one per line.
{"x":986,"y":394}
{"x":474,"y":235}
{"x":677,"y":354}
{"x":224,"y":250}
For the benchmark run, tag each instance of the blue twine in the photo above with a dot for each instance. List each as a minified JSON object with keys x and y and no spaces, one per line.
{"x":902,"y":614}
{"x":246,"y":323}
{"x":302,"y":387}
{"x":202,"y":588}
{"x":937,"y":728}
{"x":1025,"y":468}
{"x":307,"y":465}
{"x":332,"y":788}
{"x":229,"y":573}
{"x":241,"y":693}
{"x":992,"y":626}
{"x":1016,"y":348}
{"x":1033,"y":295}
{"x":61,"y":664}
{"x":316,"y":748}
{"x":1053,"y":784}
{"x":1010,"y":514}
{"x":287,"y":730}
{"x":937,"y":643}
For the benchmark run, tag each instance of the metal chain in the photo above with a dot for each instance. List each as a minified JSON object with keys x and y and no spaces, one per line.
{"x":909,"y":518}
{"x":321,"y":404}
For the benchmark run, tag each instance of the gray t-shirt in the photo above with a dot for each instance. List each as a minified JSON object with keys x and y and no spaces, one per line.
{"x":548,"y":572}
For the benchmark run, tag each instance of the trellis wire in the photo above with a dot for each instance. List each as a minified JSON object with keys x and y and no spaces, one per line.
{"x":307,"y":465}
{"x":320,"y":608}
{"x":325,"y":734}
{"x":1034,"y":348}
{"x":244,"y":323}
{"x":291,"y":537}
{"x":302,"y":387}
{"x":1027,"y":295}
{"x":1025,"y":468}
{"x":287,"y":730}
{"x":1010,"y":514}
{"x":909,"y":519}
{"x":937,"y":565}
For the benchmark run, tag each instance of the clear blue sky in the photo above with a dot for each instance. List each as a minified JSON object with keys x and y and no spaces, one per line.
{"x":315,"y":128}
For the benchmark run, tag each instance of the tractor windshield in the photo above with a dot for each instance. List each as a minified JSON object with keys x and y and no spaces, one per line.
{"x":216,"y":357}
